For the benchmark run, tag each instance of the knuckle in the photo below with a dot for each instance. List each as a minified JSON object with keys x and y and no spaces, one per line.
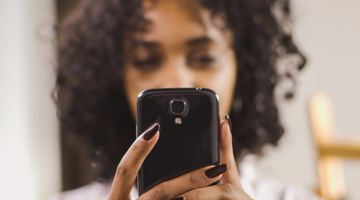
{"x":227,"y":188}
{"x":198,"y":195}
{"x":122,"y":170}
{"x":193,"y":195}
{"x":195,"y":179}
{"x":159,"y":193}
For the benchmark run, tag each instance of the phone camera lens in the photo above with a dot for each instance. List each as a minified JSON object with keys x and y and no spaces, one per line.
{"x":178,"y":106}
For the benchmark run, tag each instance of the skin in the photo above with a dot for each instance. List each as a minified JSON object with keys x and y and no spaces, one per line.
{"x":193,"y":185}
{"x":183,"y":47}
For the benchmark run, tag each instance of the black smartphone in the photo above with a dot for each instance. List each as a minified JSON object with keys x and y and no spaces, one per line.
{"x":189,"y":132}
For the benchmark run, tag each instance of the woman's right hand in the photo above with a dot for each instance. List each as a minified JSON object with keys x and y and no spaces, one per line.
{"x":131,"y":162}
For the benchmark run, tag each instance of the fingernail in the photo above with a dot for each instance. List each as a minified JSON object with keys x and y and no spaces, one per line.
{"x":150,"y":132}
{"x":179,"y":198}
{"x":215,"y":171}
{"x":227,"y":118}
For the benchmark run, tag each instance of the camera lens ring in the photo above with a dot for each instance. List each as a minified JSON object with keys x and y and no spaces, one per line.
{"x":178,"y":106}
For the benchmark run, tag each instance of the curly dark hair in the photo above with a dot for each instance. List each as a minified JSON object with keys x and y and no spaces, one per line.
{"x":90,"y":93}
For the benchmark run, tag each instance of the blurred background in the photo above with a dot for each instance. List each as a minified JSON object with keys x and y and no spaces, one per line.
{"x":326,"y":30}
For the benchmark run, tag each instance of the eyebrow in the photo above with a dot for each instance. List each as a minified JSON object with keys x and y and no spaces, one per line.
{"x":199,"y":41}
{"x":143,"y":44}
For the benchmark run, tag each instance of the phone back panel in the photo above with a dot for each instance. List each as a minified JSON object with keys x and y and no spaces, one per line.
{"x":181,"y":147}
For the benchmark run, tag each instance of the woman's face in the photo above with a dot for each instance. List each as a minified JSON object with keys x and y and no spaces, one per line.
{"x":184,"y":46}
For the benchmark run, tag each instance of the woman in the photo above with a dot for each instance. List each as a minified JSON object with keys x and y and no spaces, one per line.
{"x":110,"y":50}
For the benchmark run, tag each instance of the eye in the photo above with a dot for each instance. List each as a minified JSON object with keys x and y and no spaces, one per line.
{"x":205,"y":59}
{"x":148,"y":63}
{"x":202,"y":61}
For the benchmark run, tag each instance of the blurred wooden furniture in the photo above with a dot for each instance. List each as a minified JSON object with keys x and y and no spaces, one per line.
{"x":330,"y":149}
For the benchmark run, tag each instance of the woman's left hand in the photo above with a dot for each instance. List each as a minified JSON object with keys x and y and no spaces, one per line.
{"x":230,"y":186}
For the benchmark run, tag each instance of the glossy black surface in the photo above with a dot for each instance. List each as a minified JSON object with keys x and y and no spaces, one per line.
{"x":182,"y":147}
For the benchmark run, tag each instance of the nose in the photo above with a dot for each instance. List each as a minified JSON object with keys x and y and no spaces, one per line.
{"x":176,"y":74}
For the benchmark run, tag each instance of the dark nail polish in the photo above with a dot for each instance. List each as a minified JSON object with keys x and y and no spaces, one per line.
{"x":150,"y":132}
{"x":179,"y":198}
{"x":227,"y":118}
{"x":215,"y":171}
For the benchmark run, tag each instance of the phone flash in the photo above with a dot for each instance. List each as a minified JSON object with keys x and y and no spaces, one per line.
{"x":178,"y":120}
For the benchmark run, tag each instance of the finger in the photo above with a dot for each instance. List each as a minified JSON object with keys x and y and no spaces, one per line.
{"x":131,"y":162}
{"x":182,"y":184}
{"x":226,"y":152}
{"x":223,"y":191}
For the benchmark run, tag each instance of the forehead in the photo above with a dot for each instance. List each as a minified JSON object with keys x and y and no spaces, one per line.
{"x":175,"y":19}
{"x":179,"y":8}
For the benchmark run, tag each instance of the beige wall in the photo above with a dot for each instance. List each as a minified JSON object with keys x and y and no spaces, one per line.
{"x":329,"y":33}
{"x":29,"y":150}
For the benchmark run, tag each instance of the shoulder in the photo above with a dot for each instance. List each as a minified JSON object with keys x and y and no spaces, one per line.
{"x":267,"y":189}
{"x":274,"y":190}
{"x":92,"y":191}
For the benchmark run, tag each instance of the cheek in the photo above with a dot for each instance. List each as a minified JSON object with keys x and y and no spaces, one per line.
{"x":132,"y":89}
{"x":222,"y":81}
{"x":135,"y":82}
